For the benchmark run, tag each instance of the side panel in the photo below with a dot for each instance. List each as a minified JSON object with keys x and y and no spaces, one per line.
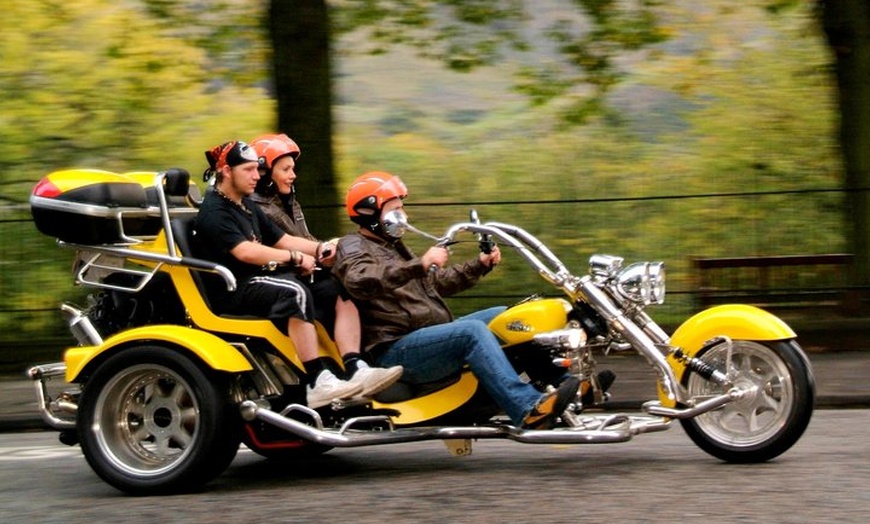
{"x":215,"y":352}
{"x":434,"y":405}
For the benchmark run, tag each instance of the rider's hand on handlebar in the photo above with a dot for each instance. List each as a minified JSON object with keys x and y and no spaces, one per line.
{"x":492,"y":259}
{"x":326,"y":252}
{"x":435,"y":256}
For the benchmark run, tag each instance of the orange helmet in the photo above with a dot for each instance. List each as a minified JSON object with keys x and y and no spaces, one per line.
{"x":272,"y":147}
{"x":368,"y":194}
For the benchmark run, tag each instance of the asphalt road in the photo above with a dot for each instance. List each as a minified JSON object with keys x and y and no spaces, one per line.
{"x":659,"y":477}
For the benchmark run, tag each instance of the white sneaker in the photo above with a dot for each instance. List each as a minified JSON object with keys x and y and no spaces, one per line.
{"x":374,"y":380}
{"x":327,"y":388}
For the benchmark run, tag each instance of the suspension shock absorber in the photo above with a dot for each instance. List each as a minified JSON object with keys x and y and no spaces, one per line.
{"x":704,"y":369}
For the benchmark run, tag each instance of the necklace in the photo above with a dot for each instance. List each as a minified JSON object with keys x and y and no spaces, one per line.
{"x":253,"y":236}
{"x":233,"y":202}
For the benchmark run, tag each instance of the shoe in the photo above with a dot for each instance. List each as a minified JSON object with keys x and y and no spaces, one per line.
{"x":327,"y":387}
{"x":375,"y":380}
{"x":587,"y":391}
{"x":551,"y":405}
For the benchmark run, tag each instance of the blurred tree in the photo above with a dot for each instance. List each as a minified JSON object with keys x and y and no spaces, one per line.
{"x":847,"y":25}
{"x":591,"y":40}
{"x":300,"y":36}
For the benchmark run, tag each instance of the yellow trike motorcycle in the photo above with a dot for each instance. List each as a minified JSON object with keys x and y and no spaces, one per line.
{"x":160,"y":391}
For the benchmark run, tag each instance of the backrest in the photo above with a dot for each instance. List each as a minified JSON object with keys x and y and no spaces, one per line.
{"x":183,"y":231}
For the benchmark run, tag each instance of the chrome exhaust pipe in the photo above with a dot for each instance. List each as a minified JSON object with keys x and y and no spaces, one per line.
{"x":81,"y":326}
{"x":47,"y":408}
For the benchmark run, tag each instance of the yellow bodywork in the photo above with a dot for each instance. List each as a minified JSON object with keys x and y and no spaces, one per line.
{"x":737,"y":321}
{"x":434,"y":405}
{"x":214,"y":351}
{"x":523,"y":321}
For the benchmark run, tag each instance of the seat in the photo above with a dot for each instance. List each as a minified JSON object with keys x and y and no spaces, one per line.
{"x":183,"y":231}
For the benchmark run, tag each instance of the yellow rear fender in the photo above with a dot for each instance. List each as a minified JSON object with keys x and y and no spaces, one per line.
{"x":736,"y":321}
{"x":213,"y":351}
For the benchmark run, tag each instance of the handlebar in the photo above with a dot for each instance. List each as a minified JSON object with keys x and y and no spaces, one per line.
{"x":527,"y":245}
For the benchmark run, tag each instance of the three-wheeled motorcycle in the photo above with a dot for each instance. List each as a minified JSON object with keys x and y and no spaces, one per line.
{"x":160,"y":391}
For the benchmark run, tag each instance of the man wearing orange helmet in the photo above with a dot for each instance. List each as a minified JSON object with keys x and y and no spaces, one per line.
{"x":275,"y":194}
{"x":233,"y":231}
{"x":405,"y":319}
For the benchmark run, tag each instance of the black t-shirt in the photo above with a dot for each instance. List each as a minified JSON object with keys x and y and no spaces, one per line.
{"x":222,"y":225}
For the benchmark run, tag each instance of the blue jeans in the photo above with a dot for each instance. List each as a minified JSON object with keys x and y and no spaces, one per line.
{"x":435,"y":352}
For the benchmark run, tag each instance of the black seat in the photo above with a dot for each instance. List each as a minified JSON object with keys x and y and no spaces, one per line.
{"x":183,"y":231}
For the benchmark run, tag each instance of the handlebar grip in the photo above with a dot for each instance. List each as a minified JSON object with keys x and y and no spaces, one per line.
{"x":486,"y":244}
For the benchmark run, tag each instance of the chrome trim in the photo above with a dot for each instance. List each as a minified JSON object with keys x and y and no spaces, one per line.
{"x":654,"y":407}
{"x":48,"y":408}
{"x":605,"y":431}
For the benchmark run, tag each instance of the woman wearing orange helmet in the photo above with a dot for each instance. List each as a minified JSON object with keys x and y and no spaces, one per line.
{"x":405,"y":319}
{"x":275,"y":194}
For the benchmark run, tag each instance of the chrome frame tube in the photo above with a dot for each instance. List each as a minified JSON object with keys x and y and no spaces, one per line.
{"x":555,"y":272}
{"x":347,"y":437}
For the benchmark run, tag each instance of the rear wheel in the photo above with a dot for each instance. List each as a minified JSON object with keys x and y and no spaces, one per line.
{"x":767,"y":421}
{"x":151,"y":421}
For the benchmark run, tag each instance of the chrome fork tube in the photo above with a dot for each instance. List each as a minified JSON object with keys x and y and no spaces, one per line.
{"x":634,"y":334}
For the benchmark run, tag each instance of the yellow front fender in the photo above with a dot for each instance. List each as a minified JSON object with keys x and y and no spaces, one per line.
{"x":214,"y":351}
{"x":736,"y":321}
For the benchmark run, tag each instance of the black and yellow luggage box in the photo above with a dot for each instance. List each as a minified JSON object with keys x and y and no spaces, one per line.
{"x":89,"y":206}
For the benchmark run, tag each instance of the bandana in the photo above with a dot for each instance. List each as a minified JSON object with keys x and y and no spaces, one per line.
{"x":230,"y":154}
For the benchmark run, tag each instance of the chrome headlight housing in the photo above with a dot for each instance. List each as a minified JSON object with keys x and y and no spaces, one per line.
{"x":642,"y":283}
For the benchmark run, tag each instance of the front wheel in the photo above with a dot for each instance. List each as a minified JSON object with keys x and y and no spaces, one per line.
{"x":768,"y":421}
{"x":152,"y":421}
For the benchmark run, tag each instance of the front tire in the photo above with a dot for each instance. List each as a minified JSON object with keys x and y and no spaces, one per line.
{"x":152,"y":421}
{"x":765,"y":423}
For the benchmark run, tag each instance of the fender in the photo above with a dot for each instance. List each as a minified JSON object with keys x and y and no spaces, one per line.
{"x":737,"y":321}
{"x":215,"y":352}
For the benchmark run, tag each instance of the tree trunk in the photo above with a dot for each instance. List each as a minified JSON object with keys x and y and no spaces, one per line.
{"x":847,"y":26}
{"x":299,"y":33}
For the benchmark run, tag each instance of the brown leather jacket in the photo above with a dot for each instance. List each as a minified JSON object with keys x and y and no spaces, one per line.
{"x":394,"y":292}
{"x":286,"y":213}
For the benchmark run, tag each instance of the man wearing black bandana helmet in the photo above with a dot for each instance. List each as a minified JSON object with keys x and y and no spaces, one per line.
{"x":268,"y":265}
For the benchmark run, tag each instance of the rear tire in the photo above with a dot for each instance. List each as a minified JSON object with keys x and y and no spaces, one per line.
{"x":151,"y":421}
{"x":764,"y":424}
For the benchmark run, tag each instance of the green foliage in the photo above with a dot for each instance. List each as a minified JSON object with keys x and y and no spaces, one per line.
{"x":714,"y":98}
{"x":99,"y":84}
{"x":736,"y":103}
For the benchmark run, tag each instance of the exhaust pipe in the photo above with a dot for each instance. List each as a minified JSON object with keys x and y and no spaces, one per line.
{"x":81,"y":326}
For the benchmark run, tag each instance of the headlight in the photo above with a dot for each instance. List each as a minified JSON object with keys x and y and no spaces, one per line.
{"x":642,"y":283}
{"x":569,"y":338}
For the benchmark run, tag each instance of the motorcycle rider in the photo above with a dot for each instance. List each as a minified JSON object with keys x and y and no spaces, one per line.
{"x":232,"y":231}
{"x":405,"y":319}
{"x":275,"y":193}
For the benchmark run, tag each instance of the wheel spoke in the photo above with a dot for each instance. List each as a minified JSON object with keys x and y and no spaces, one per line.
{"x":764,"y":377}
